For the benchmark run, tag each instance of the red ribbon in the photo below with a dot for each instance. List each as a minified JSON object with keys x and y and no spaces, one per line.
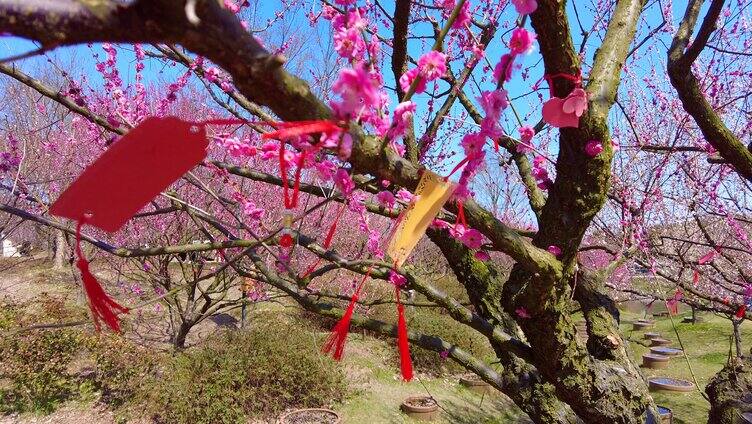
{"x":576,"y":79}
{"x":102,"y":306}
{"x":741,"y":311}
{"x":456,"y":168}
{"x":335,"y":344}
{"x":327,"y":240}
{"x":406,"y":363}
{"x":290,"y":202}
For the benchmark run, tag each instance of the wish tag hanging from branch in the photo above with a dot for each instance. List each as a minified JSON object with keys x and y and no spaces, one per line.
{"x":133,"y":171}
{"x":430,"y":195}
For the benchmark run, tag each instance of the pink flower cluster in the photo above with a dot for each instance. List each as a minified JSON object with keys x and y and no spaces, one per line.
{"x":525,"y":7}
{"x":521,"y":42}
{"x":237,"y":148}
{"x":470,"y":237}
{"x":431,"y":66}
{"x":540,"y":173}
{"x":593,"y":148}
{"x":463,"y":18}
{"x":526,"y":138}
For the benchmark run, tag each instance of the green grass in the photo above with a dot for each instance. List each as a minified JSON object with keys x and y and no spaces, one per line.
{"x":378,"y":391}
{"x":707,"y":347}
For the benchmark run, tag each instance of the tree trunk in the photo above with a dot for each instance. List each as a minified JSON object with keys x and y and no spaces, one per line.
{"x":737,"y":336}
{"x":521,"y":381}
{"x":58,"y":260}
{"x":178,"y":340}
{"x":730,"y":392}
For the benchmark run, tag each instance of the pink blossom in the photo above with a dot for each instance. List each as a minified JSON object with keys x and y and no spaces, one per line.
{"x":526,"y":133}
{"x":407,"y":79}
{"x":357,"y":204}
{"x":325,"y":170}
{"x":226,"y":87}
{"x":345,"y":147}
{"x":593,"y":148}
{"x":490,"y":128}
{"x":525,"y":7}
{"x":444,"y":354}
{"x":232,"y":6}
{"x":399,"y":148}
{"x":359,"y":89}
{"x":343,"y":181}
{"x":440,"y":224}
{"x":402,"y":115}
{"x":493,"y":103}
{"x":386,"y":198}
{"x":462,"y":192}
{"x":405,"y":196}
{"x":328,"y":12}
{"x":522,"y":313}
{"x":482,"y":255}
{"x":330,"y":140}
{"x":554,"y":250}
{"x":269,"y":150}
{"x":472,"y":238}
{"x":373,"y":244}
{"x":473,"y":144}
{"x":250,"y":209}
{"x":345,"y":2}
{"x":349,"y":43}
{"x":397,"y":279}
{"x":576,"y":102}
{"x":212,"y":74}
{"x":521,"y":41}
{"x":457,"y":231}
{"x":432,"y":65}
{"x":526,"y":137}
{"x":566,"y":113}
{"x":463,"y":18}
{"x":505,"y":66}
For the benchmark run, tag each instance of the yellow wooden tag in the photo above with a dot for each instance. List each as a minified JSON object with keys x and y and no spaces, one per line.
{"x":432,"y":192}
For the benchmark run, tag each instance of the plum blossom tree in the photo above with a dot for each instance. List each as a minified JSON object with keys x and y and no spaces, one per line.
{"x":611,"y":140}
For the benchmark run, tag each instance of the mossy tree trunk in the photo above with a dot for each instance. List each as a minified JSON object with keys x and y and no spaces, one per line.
{"x":730,"y":392}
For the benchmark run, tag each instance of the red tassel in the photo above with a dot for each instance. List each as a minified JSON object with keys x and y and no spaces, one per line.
{"x":741,"y":311}
{"x":456,"y":168}
{"x":338,"y":337}
{"x":461,"y":214}
{"x":327,"y":240}
{"x":290,"y":202}
{"x":695,"y":277}
{"x":102,"y":306}
{"x":406,"y":363}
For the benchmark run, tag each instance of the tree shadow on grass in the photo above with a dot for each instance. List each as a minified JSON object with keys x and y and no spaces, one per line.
{"x":486,"y":409}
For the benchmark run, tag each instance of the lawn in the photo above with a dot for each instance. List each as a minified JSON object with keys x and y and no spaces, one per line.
{"x":707,"y":347}
{"x":378,"y":391}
